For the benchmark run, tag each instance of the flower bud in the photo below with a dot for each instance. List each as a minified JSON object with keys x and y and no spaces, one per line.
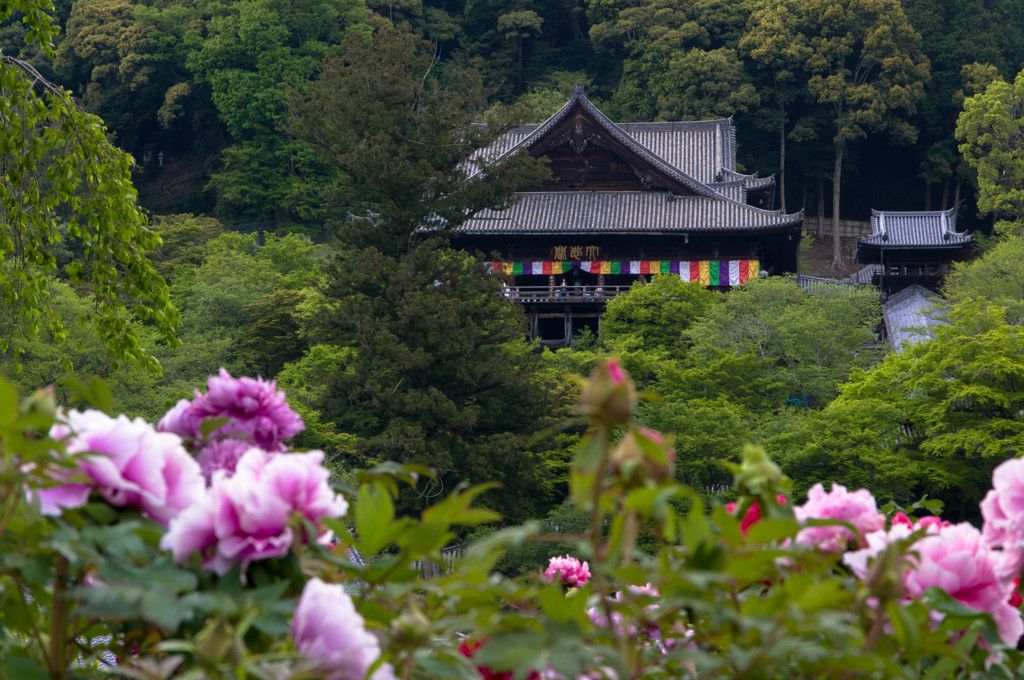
{"x":609,"y":395}
{"x":642,"y":456}
{"x":411,"y":629}
{"x":757,"y":474}
{"x":43,"y":402}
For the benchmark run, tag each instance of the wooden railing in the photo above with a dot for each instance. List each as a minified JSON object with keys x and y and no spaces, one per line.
{"x":563,"y":293}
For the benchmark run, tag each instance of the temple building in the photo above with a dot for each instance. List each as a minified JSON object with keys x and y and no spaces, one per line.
{"x":626,"y":201}
{"x":908,"y":248}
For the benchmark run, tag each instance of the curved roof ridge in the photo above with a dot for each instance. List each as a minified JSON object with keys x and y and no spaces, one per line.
{"x":579,"y":98}
{"x":915,"y":213}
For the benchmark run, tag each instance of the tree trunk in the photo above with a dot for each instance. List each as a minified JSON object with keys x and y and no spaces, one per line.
{"x":782,"y":164}
{"x":945,"y":195}
{"x":956,"y":199}
{"x":837,"y":256}
{"x":820,"y":233}
{"x":927,"y":195}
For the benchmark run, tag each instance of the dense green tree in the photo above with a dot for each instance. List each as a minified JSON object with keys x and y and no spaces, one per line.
{"x":249,"y":53}
{"x":440,"y":373}
{"x":62,"y":181}
{"x":934,"y":419}
{"x":779,"y":63}
{"x":659,"y":312}
{"x":954,"y":34}
{"x":43,"y":358}
{"x":862,"y":62}
{"x":990,"y":131}
{"x":813,"y":340}
{"x":682,"y":61}
{"x":996,"y":276}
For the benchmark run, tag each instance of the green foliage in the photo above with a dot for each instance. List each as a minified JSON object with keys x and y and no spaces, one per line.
{"x":989,"y":131}
{"x":812,"y":340}
{"x":244,"y":51}
{"x":64,"y":181}
{"x":860,"y":60}
{"x":933,"y":419}
{"x":659,"y":312}
{"x":440,"y":374}
{"x":997,"y":276}
{"x":715,"y":599}
{"x":682,"y":60}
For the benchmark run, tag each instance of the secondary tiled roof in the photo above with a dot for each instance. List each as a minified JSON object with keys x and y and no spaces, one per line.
{"x":866,"y":274}
{"x":623,"y":211}
{"x":749,"y":181}
{"x":909,"y":315}
{"x":914,"y":229}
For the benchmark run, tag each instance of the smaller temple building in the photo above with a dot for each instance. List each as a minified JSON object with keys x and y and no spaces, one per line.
{"x":911,"y":248}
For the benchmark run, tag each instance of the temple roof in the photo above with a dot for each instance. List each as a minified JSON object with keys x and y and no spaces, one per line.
{"x":610,"y":212}
{"x":909,"y":315}
{"x":689,"y":169}
{"x":931,"y":229}
{"x":703,"y":149}
{"x":578,"y":103}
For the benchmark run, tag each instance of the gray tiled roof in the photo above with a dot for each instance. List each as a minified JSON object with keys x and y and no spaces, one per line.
{"x":866,"y":274}
{"x":914,"y":229}
{"x":704,"y":149}
{"x":909,"y":315}
{"x":737,"y":191}
{"x":749,"y":181}
{"x":623,"y":211}
{"x":655,"y":161}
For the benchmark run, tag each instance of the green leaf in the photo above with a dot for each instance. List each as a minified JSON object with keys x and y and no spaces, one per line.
{"x":8,"y":404}
{"x":769,"y":530}
{"x":374,"y":515}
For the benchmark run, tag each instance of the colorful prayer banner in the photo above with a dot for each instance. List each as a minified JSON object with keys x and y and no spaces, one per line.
{"x":708,"y":272}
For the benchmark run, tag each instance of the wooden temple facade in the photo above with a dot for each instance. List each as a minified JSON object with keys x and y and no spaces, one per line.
{"x":626,"y":201}
{"x":908,"y":248}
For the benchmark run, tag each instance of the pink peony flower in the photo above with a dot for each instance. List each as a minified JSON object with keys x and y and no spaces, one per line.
{"x":957,"y":560}
{"x":256,"y":409}
{"x":1003,"y":506}
{"x":129,"y":463}
{"x":329,"y":631}
{"x":248,"y":516}
{"x":857,"y":508}
{"x":569,"y":570}
{"x":877,"y":541}
{"x":181,"y":420}
{"x":221,"y":454}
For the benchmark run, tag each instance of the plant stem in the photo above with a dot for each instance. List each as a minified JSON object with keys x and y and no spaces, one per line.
{"x":58,"y":621}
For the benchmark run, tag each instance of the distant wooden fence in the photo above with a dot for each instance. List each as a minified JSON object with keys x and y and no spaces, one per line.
{"x":847,"y":228}
{"x":430,"y":568}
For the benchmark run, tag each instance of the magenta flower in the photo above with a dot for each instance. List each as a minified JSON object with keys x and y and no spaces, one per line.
{"x":857,"y":508}
{"x":329,"y":631}
{"x":248,"y":516}
{"x":221,"y":454}
{"x":1003,"y":506}
{"x":957,"y":560}
{"x":257,"y":410}
{"x":129,"y":463}
{"x":181,"y":420}
{"x":569,"y":570}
